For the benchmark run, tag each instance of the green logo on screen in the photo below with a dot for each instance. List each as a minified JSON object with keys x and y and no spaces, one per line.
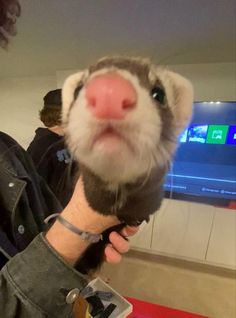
{"x":217,"y":134}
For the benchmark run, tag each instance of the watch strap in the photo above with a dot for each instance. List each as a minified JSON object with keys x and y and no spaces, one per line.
{"x":85,"y":236}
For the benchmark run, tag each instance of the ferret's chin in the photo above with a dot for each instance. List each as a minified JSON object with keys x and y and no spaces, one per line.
{"x":115,"y":166}
{"x":110,"y":143}
{"x":109,"y":146}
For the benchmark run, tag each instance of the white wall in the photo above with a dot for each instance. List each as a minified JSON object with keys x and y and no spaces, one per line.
{"x":195,"y":232}
{"x":20,"y":101}
{"x":215,"y":81}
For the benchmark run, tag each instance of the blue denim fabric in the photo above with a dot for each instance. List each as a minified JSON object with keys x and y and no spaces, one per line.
{"x":35,"y":283}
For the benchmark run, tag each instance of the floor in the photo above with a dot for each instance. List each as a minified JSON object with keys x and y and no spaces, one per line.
{"x":208,"y":292}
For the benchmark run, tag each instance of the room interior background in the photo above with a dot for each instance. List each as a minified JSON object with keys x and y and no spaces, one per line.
{"x":195,"y":38}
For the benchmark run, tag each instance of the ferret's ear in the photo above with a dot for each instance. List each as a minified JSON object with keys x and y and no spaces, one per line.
{"x":180,"y":95}
{"x":68,"y":90}
{"x":183,"y":99}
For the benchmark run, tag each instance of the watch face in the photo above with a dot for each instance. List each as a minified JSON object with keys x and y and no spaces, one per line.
{"x":95,"y":239}
{"x":85,"y":236}
{"x":91,"y":238}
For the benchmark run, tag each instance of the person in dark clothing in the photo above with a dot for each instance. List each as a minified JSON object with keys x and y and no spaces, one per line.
{"x":49,"y":152}
{"x":50,"y":116}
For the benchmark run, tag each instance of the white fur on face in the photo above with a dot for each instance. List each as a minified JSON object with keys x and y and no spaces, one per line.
{"x":131,"y":158}
{"x":179,"y":93}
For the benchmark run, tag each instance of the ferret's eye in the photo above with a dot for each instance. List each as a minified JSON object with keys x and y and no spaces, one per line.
{"x":76,"y":92}
{"x":158,"y":94}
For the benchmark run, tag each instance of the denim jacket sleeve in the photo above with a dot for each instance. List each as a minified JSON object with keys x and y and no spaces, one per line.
{"x":35,"y":283}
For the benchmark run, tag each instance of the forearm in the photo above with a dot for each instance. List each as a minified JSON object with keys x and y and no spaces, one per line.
{"x":68,"y":244}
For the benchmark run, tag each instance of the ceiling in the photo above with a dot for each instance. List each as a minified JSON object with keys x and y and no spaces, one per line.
{"x":55,"y":34}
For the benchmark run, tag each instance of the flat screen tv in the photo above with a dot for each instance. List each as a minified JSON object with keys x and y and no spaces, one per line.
{"x":204,"y":167}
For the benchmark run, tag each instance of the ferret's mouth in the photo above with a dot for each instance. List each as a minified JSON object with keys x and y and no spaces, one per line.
{"x":111,"y":138}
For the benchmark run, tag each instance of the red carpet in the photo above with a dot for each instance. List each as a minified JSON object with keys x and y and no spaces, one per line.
{"x":143,"y":309}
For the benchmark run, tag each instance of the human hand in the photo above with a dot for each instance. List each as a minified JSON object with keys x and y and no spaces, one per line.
{"x":78,"y":212}
{"x":97,"y":223}
{"x":118,"y":244}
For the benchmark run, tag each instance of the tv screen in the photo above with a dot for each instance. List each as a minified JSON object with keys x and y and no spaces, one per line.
{"x":204,"y":167}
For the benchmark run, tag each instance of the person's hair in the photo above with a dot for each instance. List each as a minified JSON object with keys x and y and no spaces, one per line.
{"x":10,"y":10}
{"x":50,"y":116}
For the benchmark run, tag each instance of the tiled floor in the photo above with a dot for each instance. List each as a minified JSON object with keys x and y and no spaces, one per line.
{"x":212,"y":294}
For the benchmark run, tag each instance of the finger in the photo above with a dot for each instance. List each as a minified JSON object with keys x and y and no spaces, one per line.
{"x":129,"y":230}
{"x":112,"y":256}
{"x":118,"y":242}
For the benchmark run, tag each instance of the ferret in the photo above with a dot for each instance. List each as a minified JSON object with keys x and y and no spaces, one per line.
{"x":122,"y":118}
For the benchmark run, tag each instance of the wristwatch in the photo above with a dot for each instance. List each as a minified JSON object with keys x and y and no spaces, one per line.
{"x":85,"y":236}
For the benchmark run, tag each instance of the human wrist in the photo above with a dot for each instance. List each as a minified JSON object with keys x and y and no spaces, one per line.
{"x":79,"y":213}
{"x":69,"y":244}
{"x":86,"y":219}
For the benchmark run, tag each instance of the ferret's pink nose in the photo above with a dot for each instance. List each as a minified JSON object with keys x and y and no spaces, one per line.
{"x":110,"y":96}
